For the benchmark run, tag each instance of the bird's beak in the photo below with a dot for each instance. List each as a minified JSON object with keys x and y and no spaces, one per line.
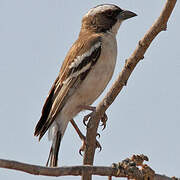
{"x":125,"y":14}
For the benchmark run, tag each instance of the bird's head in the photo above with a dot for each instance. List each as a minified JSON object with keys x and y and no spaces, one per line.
{"x":105,"y":17}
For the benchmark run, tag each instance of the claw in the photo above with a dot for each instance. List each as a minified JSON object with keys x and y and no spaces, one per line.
{"x":103,"y":120}
{"x":104,"y":126}
{"x":98,"y":146}
{"x":85,"y":119}
{"x":98,"y":135}
{"x":82,"y":149}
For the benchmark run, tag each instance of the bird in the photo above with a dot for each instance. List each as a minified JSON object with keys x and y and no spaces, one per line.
{"x":87,"y":69}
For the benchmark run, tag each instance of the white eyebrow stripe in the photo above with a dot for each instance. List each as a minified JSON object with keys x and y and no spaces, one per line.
{"x":77,"y":73}
{"x":79,"y":59}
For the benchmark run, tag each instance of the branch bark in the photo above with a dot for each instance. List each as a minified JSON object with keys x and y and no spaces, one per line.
{"x":68,"y":171}
{"x":159,"y":25}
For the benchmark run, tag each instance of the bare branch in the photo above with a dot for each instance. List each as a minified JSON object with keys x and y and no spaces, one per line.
{"x":61,"y":171}
{"x":159,"y":25}
{"x":78,"y":170}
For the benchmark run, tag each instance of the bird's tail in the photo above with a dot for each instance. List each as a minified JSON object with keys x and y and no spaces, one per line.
{"x":54,"y":151}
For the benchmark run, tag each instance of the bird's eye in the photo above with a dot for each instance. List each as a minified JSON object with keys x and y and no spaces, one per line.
{"x":110,"y":13}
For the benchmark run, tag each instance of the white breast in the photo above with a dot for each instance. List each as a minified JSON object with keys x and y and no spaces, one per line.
{"x":101,"y":73}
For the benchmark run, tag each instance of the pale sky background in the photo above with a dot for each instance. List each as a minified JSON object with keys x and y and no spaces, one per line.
{"x":35,"y":36}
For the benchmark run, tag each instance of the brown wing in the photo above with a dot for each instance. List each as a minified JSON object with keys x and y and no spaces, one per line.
{"x":69,"y":78}
{"x":46,"y":109}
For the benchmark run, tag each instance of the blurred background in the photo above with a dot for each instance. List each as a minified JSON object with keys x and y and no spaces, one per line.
{"x":35,"y":36}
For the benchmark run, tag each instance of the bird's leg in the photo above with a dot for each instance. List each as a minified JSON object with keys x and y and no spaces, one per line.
{"x":104,"y":118}
{"x":83,"y":138}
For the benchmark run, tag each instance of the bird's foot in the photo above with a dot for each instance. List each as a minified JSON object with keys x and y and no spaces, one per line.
{"x":83,"y":147}
{"x":86,"y":118}
{"x":83,"y":138}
